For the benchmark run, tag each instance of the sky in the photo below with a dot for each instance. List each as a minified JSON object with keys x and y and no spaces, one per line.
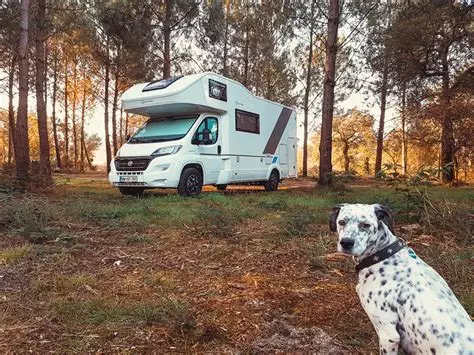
{"x":96,"y":123}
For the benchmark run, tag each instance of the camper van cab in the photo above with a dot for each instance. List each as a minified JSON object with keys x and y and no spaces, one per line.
{"x":204,"y":129}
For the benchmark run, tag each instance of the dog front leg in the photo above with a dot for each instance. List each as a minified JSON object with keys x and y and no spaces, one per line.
{"x":389,"y":340}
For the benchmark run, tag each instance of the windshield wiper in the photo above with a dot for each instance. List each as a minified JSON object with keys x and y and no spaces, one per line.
{"x":138,"y":140}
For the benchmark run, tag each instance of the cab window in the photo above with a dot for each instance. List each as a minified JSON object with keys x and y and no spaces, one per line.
{"x":207,"y":132}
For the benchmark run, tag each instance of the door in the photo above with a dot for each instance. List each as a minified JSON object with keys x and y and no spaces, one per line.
{"x":208,"y":143}
{"x":292,"y":157}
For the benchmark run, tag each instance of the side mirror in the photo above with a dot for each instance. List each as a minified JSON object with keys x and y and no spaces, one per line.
{"x":202,"y":138}
{"x":128,"y":137}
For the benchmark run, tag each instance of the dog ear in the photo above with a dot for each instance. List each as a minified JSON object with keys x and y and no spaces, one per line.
{"x":384,"y":214}
{"x":333,"y":217}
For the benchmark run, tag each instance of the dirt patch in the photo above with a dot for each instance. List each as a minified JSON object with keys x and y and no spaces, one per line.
{"x":280,"y":335}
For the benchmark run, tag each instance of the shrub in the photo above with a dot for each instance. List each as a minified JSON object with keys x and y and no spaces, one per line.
{"x":299,"y":223}
{"x":217,"y":221}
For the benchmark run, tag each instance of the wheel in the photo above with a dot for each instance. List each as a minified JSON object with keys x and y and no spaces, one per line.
{"x":221,"y":187}
{"x":190,"y":183}
{"x":273,"y":181}
{"x":131,"y":191}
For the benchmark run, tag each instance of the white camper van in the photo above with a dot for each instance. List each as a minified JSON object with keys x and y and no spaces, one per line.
{"x":204,"y":129}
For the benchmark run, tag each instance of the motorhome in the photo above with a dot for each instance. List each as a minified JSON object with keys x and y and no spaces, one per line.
{"x":204,"y":129}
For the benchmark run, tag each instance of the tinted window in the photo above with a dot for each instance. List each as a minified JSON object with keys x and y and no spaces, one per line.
{"x":208,"y":126}
{"x":217,"y":90}
{"x":247,"y":121}
{"x":163,"y":130}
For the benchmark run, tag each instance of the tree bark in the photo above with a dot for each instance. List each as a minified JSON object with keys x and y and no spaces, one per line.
{"x":126,"y":126}
{"x":106,"y":106}
{"x":383,"y":105}
{"x":55,"y":127}
{"x":114,"y":114}
{"x":226,"y":34}
{"x":325,"y":146}
{"x":167,"y":39}
{"x":121,"y":126}
{"x":11,"y":111}
{"x":345,"y":152}
{"x":83,"y":115}
{"x":22,"y":150}
{"x":74,"y":123}
{"x":246,"y":58}
{"x":45,"y":163}
{"x":447,"y":134}
{"x":307,"y":92}
{"x":66,"y":123}
{"x":404,"y":142}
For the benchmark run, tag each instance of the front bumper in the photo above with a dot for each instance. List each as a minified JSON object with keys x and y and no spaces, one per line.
{"x":160,"y":172}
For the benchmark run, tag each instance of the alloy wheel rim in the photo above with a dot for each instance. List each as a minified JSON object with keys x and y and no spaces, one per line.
{"x":192,"y":184}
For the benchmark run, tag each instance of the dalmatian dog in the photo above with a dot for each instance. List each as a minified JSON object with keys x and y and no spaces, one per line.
{"x":410,"y":305}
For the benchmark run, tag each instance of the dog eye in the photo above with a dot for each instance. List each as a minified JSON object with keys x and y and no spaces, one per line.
{"x":364,"y":225}
{"x":342,"y":222}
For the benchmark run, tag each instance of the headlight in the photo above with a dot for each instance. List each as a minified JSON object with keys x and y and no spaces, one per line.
{"x":173,"y":149}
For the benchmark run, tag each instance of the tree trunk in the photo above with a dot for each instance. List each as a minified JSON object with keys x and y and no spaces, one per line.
{"x":383,"y":104}
{"x":325,"y":146}
{"x":345,"y":152}
{"x":306,"y":93}
{"x":66,"y":123}
{"x":447,"y":134}
{"x":74,"y":123}
{"x":246,"y":58}
{"x":226,"y":35}
{"x":55,"y":127}
{"x":106,"y":106}
{"x":404,"y":142}
{"x":22,"y":149}
{"x":121,"y":126}
{"x":11,"y":111}
{"x":89,"y":162}
{"x":114,"y":115}
{"x":167,"y":40}
{"x":45,"y":163}
{"x":83,"y":115}
{"x":126,"y":126}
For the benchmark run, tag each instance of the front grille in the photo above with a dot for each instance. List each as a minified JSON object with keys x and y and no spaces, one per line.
{"x":132,"y":164}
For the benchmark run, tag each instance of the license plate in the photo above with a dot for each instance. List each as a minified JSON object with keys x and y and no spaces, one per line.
{"x":129,"y":179}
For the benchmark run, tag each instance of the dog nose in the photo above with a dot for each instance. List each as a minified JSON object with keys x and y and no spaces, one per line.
{"x":347,"y":243}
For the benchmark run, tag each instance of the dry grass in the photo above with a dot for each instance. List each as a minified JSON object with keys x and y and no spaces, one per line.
{"x":167,"y":274}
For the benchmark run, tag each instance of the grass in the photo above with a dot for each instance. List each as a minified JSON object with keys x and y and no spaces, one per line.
{"x":99,"y":311}
{"x":139,"y":239}
{"x":223,"y":263}
{"x":10,"y":255}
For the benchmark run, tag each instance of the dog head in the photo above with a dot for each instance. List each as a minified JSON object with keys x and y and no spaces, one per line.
{"x":358,"y":226}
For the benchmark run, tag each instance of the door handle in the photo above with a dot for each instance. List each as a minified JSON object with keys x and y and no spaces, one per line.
{"x":219,"y":149}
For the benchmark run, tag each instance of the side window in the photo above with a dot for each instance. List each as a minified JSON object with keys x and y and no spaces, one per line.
{"x":207,"y":132}
{"x":247,"y":121}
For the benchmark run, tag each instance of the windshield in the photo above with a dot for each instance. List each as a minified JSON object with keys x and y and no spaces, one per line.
{"x":163,"y":130}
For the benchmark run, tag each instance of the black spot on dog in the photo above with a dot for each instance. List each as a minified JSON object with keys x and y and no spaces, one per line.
{"x":433,"y":351}
{"x":383,"y":282}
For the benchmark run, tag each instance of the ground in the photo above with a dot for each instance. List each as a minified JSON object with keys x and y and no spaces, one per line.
{"x":83,"y":268}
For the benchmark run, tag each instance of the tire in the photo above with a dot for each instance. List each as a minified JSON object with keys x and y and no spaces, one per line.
{"x":190,"y":183}
{"x":221,"y":187}
{"x":131,"y":191}
{"x":273,"y":181}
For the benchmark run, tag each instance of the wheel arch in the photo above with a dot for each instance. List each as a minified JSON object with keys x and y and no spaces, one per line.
{"x":195,"y":165}
{"x":272,"y":168}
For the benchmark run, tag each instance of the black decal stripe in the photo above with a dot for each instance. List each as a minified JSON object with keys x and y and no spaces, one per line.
{"x":278,"y":130}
